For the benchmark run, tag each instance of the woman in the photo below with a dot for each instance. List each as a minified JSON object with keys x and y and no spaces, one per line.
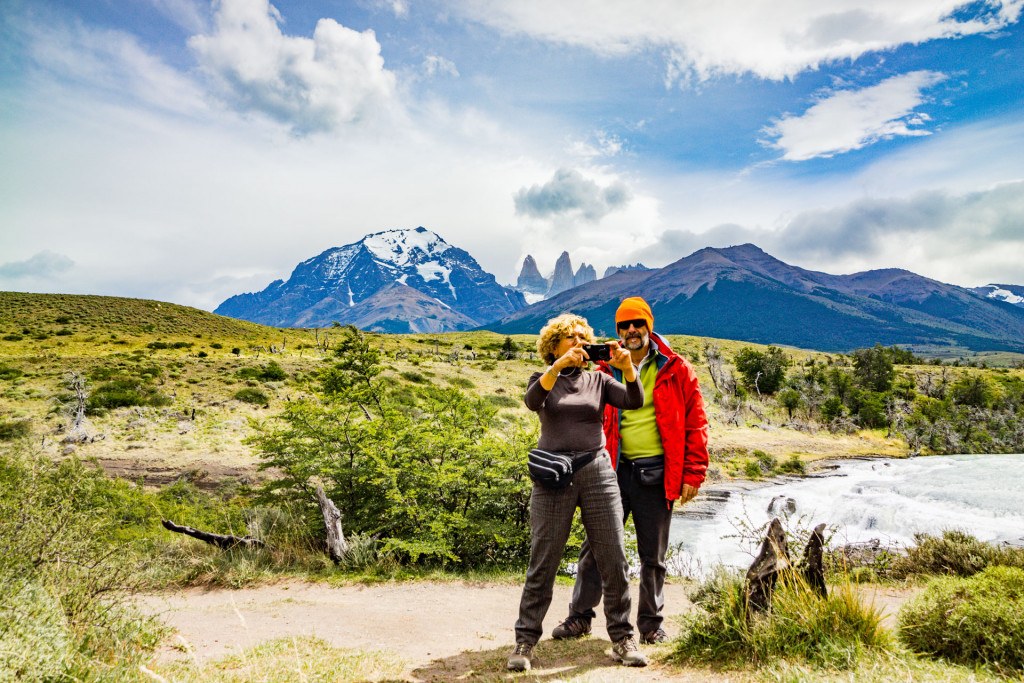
{"x":570,"y":402}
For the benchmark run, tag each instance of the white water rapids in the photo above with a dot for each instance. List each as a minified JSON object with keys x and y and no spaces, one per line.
{"x":883,"y":499}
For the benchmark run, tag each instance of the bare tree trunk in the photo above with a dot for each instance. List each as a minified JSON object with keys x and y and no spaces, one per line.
{"x":225,"y":542}
{"x":813,"y":567}
{"x":76,"y":383}
{"x":764,"y":571}
{"x":337,"y":546}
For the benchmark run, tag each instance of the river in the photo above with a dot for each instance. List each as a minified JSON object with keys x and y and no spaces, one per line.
{"x":864,"y":499}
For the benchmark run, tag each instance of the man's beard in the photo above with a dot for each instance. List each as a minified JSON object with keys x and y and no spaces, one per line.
{"x":635,"y":341}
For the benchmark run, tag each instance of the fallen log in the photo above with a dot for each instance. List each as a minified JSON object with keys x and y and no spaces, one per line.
{"x":225,"y":542}
{"x":337,"y":546}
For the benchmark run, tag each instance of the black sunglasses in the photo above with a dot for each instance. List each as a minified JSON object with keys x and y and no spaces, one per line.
{"x":625,"y":324}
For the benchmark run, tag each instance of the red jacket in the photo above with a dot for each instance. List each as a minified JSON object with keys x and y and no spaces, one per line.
{"x":680,"y":418}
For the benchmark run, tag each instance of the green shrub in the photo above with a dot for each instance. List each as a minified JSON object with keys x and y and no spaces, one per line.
{"x":501,"y":401}
{"x":271,"y":372}
{"x":954,"y":553}
{"x":977,"y":620}
{"x":793,"y":465}
{"x":14,"y":429}
{"x":124,"y":392}
{"x":7,"y":372}
{"x":461,"y":382}
{"x":64,"y":577}
{"x":828,"y":632}
{"x":413,"y":376}
{"x":216,"y":345}
{"x":252,"y":395}
{"x":13,"y":337}
{"x":752,"y":469}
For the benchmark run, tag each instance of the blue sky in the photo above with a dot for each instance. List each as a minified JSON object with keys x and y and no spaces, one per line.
{"x":188,"y":151}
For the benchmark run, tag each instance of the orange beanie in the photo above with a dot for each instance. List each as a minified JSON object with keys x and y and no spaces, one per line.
{"x":635,"y":308}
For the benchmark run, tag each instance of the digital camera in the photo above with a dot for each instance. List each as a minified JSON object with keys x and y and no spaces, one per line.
{"x":598,"y":352}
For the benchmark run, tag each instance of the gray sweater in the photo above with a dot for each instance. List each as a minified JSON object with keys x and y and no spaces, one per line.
{"x":570,"y":414}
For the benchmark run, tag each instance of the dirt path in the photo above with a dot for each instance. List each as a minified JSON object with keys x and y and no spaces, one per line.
{"x":441,"y":631}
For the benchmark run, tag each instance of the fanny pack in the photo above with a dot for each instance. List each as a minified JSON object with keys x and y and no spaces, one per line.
{"x":649,"y":471}
{"x":555,"y":470}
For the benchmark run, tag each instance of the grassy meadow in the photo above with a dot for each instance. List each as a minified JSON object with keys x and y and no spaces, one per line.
{"x":117,"y":413}
{"x":207,"y":375}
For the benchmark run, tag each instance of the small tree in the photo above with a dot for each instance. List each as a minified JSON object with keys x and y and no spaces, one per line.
{"x":873,"y":368}
{"x":790,"y":400}
{"x":509,"y":348}
{"x":765,"y":372}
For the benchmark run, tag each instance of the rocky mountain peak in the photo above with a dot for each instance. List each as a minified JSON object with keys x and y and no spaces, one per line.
{"x":406,"y":279}
{"x":530,"y":280}
{"x":563,"y":277}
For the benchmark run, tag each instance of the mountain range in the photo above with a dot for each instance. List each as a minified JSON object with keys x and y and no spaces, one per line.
{"x":390,"y":281}
{"x":743,"y":293}
{"x":414,"y":281}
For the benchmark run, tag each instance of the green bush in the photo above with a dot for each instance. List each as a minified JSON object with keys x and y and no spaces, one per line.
{"x":420,"y":468}
{"x":954,"y":553}
{"x":64,"y":615}
{"x":413,"y":376}
{"x":124,"y":392}
{"x":829,"y":632}
{"x":252,"y":395}
{"x":502,"y":401}
{"x":793,"y":465}
{"x":977,"y":620}
{"x":271,"y":372}
{"x":13,"y":337}
{"x":14,"y":429}
{"x":7,"y":372}
{"x":461,"y":382}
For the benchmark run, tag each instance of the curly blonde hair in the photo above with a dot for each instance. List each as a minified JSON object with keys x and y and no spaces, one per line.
{"x":558,"y":329}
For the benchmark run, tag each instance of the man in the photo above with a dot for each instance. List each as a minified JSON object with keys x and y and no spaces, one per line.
{"x":661,"y":455}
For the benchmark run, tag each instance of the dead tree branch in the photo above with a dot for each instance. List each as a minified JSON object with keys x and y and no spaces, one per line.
{"x":225,"y":542}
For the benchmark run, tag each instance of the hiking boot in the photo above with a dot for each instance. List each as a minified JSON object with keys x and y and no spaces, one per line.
{"x":654,"y":637}
{"x":521,"y":658}
{"x":627,"y":652}
{"x":573,"y":627}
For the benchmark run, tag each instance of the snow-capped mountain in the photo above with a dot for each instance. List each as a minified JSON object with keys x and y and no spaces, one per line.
{"x":392,"y":281}
{"x":535,"y":287}
{"x":1011,"y":294}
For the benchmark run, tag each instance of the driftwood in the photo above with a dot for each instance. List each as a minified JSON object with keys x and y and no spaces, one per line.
{"x":772,"y":560}
{"x":337,"y":546}
{"x":225,"y":542}
{"x":813,"y":568}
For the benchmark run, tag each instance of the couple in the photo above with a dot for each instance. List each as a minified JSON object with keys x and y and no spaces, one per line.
{"x":642,"y":411}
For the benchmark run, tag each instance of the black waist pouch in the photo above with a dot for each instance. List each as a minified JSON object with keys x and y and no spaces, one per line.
{"x":649,"y":471}
{"x":555,"y":470}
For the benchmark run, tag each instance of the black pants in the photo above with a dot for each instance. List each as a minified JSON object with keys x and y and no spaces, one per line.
{"x":652,"y":519}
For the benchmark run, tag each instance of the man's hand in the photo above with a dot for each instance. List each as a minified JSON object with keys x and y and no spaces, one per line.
{"x":688,"y":493}
{"x":621,"y":360}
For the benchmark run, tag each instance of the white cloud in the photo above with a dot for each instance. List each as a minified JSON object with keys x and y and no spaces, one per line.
{"x":570,"y":192}
{"x":967,"y":239}
{"x":44,"y":265}
{"x":599,"y":144}
{"x":316,"y":84}
{"x":773,"y":40}
{"x":435,"y":65}
{"x":846,"y":120}
{"x":109,"y":61}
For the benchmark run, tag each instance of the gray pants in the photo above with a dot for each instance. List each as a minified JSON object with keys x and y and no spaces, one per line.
{"x":595,"y":491}
{"x":652,"y":518}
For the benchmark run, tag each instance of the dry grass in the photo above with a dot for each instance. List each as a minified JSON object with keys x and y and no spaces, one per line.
{"x":202,"y":433}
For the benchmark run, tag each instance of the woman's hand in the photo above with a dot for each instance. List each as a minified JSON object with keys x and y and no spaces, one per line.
{"x":621,"y":360}
{"x":573,"y":358}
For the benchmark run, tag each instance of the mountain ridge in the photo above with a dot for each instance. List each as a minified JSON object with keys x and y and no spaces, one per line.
{"x":434,"y":287}
{"x":741,"y":292}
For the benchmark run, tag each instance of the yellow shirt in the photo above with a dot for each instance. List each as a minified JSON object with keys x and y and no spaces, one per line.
{"x":638,"y":432}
